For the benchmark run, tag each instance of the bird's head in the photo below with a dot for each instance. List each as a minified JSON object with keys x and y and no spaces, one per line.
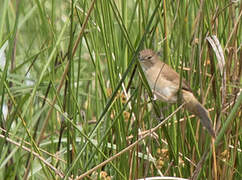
{"x":147,"y":58}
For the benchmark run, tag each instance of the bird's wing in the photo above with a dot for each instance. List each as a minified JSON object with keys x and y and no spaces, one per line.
{"x":171,"y":75}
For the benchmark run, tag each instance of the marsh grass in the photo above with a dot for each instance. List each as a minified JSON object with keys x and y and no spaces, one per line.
{"x":78,"y":105}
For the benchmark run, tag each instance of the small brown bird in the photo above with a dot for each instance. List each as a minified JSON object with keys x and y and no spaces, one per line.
{"x":164,"y":83}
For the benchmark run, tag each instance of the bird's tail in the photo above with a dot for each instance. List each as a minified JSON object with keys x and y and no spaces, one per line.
{"x":199,"y":110}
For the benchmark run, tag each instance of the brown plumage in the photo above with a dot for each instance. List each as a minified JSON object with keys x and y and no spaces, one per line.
{"x":164,"y":82}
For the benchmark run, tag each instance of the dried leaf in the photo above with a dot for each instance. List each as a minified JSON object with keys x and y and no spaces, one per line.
{"x":214,"y":42}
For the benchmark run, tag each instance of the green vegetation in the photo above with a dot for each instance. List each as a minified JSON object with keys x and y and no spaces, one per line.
{"x":76,"y":97}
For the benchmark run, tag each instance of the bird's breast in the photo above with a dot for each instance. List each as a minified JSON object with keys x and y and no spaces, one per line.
{"x":164,"y":89}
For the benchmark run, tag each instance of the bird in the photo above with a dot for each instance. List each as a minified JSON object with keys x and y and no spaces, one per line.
{"x":164,"y":83}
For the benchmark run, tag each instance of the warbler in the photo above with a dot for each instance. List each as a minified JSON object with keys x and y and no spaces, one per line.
{"x":164,"y":83}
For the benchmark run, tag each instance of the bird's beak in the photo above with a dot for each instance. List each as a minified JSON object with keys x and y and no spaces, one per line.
{"x":140,"y":58}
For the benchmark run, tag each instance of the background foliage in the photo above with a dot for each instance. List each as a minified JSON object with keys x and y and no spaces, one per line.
{"x":73,"y":97}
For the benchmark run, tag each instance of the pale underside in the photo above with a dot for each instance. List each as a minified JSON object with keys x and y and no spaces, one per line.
{"x":163,"y":87}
